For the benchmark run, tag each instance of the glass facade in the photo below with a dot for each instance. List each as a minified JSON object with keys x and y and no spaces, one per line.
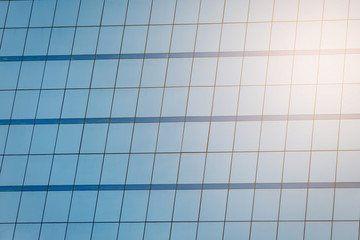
{"x":180,"y":119}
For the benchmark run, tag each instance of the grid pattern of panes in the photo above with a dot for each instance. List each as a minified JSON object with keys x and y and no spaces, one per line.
{"x":180,"y":119}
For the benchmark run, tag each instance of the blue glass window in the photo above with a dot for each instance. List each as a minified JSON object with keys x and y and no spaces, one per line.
{"x":239,"y":204}
{"x":165,"y":168}
{"x":74,"y":103}
{"x":144,"y":137}
{"x":55,"y":74}
{"x":104,"y":231}
{"x":160,"y":205}
{"x":119,"y":138}
{"x":138,"y":12}
{"x":88,"y":169}
{"x":110,"y":40}
{"x":183,"y":230}
{"x":134,"y":206}
{"x":28,"y":231}
{"x":19,"y":14}
{"x":85,"y":40}
{"x":90,"y":12}
{"x":66,"y":13}
{"x":140,"y":169}
{"x":114,"y":169}
{"x":83,"y":206}
{"x":38,"y":170}
{"x":114,"y":12}
{"x":170,"y":135}
{"x":57,"y":206}
{"x":69,"y":137}
{"x":6,"y":97}
{"x":217,"y":168}
{"x":50,"y":103}
{"x":31,"y":75}
{"x":37,"y":41}
{"x":187,"y":205}
{"x":131,"y":231}
{"x":9,"y":207}
{"x":55,"y":231}
{"x":94,"y":137}
{"x":210,"y":230}
{"x":124,"y":103}
{"x":31,"y":207}
{"x":99,"y":103}
{"x":77,"y":231}
{"x":213,"y":204}
{"x":10,"y":73}
{"x":42,"y":13}
{"x":13,"y":42}
{"x":19,"y":139}
{"x":157,"y":231}
{"x":162,"y":12}
{"x":108,"y":206}
{"x":63,"y":170}
{"x":154,"y":71}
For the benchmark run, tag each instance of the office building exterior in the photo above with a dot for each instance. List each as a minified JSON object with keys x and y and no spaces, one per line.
{"x":180,"y":119}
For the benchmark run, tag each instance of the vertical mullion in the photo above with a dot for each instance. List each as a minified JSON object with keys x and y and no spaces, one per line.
{"x":313,"y":121}
{"x":261,"y":121}
{"x":109,"y":123}
{"x":236,"y":122}
{"x":158,"y":130}
{"x":184,"y":125}
{"x":211,"y":116}
{"x":340,"y":114}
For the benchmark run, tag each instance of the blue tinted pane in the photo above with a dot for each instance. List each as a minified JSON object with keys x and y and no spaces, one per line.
{"x":31,"y":75}
{"x":54,"y":231}
{"x":185,"y":230}
{"x":63,"y":170}
{"x":37,"y":41}
{"x":114,"y":169}
{"x":44,"y":138}
{"x":187,"y":205}
{"x":83,"y":206}
{"x":13,"y":42}
{"x":38,"y":170}
{"x":69,"y":138}
{"x":157,"y":231}
{"x":61,"y":41}
{"x":9,"y":207}
{"x":57,"y":206}
{"x":85,"y":40}
{"x":78,"y":231}
{"x":160,"y":205}
{"x":210,"y":231}
{"x":104,"y":231}
{"x":19,"y":139}
{"x":114,"y":12}
{"x":6,"y":97}
{"x":31,"y":207}
{"x":6,"y":231}
{"x":55,"y":74}
{"x":66,"y":12}
{"x":10,"y":73}
{"x":131,"y":231}
{"x":88,"y":169}
{"x":90,"y":12}
{"x":104,"y":73}
{"x":42,"y":13}
{"x":27,"y":231}
{"x":134,"y":206}
{"x":108,"y":206}
{"x":18,"y":14}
